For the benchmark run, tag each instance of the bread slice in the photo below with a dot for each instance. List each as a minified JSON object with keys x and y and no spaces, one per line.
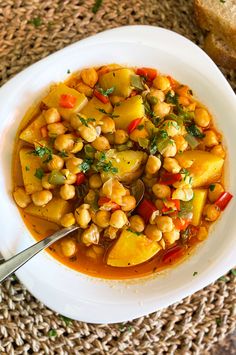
{"x":218,"y":17}
{"x":219,"y":51}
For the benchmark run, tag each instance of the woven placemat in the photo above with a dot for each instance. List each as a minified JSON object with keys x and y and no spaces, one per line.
{"x":29,"y":31}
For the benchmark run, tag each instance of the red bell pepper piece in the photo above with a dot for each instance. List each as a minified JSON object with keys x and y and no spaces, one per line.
{"x":148,"y":73}
{"x":104,"y":99}
{"x":223,"y":200}
{"x":67,"y":101}
{"x":169,"y":178}
{"x":109,"y":203}
{"x":181,"y":223}
{"x":133,"y":93}
{"x":172,"y":253}
{"x":133,"y":124}
{"x":44,"y":131}
{"x":145,"y":209}
{"x":80,"y":178}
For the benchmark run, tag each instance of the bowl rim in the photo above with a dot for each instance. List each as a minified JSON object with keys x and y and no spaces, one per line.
{"x":104,"y":313}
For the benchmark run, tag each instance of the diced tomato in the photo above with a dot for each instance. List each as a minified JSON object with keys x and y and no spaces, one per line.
{"x":173,"y":253}
{"x":181,"y":223}
{"x":223,"y":200}
{"x":104,"y":99}
{"x":67,"y":101}
{"x":44,"y":131}
{"x":133,"y":124}
{"x":80,"y":178}
{"x":169,"y":178}
{"x":145,"y":209}
{"x":148,"y":73}
{"x":133,"y":93}
{"x":111,"y":205}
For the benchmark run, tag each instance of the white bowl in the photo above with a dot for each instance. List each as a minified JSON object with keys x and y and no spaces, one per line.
{"x":105,"y":301}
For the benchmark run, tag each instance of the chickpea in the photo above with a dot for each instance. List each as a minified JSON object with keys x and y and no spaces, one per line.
{"x":116,"y":99}
{"x":161,"y":191}
{"x":89,"y":76}
{"x":161,"y":82}
{"x":67,"y":192}
{"x":149,"y":180}
{"x":110,"y":137}
{"x":137,"y":223}
{"x":46,"y":185}
{"x":171,"y":165}
{"x":74,"y":165}
{"x":184,"y":101}
{"x":103,"y":218}
{"x":153,"y":165}
{"x":202,"y":117}
{"x":108,"y":125}
{"x":211,"y":212}
{"x":64,"y":142}
{"x":118,"y":219}
{"x":153,"y":233}
{"x":218,"y":150}
{"x":158,"y":94}
{"x":68,"y":247}
{"x":181,"y":143}
{"x":56,"y":163}
{"x":159,"y":204}
{"x":171,"y":127}
{"x":128,"y":203}
{"x":54,"y":129}
{"x":82,"y":215}
{"x":121,"y":136}
{"x":90,"y":197}
{"x":161,"y":109}
{"x":210,"y":138}
{"x":95,"y":181}
{"x":110,"y":232}
{"x":70,"y":178}
{"x":51,"y":115}
{"x":170,"y":150}
{"x":84,"y":89}
{"x":164,"y":223}
{"x":101,"y":143}
{"x":89,"y":134}
{"x":75,"y":121}
{"x":21,"y":197}
{"x":113,"y":189}
{"x":90,"y":235}
{"x":202,"y":233}
{"x":171,"y":237}
{"x":138,"y":133}
{"x":78,"y":145}
{"x":183,"y":194}
{"x":215,"y":191}
{"x":41,"y":198}
{"x":68,"y":220}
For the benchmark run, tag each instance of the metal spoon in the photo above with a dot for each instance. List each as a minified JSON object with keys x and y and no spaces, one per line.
{"x":14,"y":263}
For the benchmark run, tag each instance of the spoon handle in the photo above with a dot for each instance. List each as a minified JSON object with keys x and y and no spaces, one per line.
{"x":14,"y":263}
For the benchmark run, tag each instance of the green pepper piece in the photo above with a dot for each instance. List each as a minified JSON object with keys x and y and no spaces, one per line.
{"x":56,"y":178}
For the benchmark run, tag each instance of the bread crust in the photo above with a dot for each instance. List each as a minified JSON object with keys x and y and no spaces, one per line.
{"x":220,"y":52}
{"x":211,"y":20}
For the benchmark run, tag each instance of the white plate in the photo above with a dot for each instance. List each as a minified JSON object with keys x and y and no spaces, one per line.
{"x":69,"y":292}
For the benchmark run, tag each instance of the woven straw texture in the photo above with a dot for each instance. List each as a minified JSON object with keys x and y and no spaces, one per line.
{"x":29,"y":31}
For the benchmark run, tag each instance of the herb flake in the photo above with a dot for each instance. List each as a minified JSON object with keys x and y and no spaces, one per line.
{"x":233,"y":272}
{"x":36,"y":21}
{"x":52,"y":333}
{"x":96,"y":6}
{"x":39,"y":173}
{"x":86,"y":165}
{"x":67,"y":320}
{"x":107,"y":113}
{"x":106,"y":92}
{"x":194,"y":131}
{"x":212,"y":187}
{"x":86,"y":121}
{"x":195,"y":273}
{"x":27,"y":168}
{"x":42,"y":152}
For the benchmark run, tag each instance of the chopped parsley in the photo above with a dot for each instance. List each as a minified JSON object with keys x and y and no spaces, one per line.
{"x":36,"y":21}
{"x":163,"y":133}
{"x":223,"y":278}
{"x":136,"y":233}
{"x":86,"y":121}
{"x":107,"y":113}
{"x":185,"y":172}
{"x":140,"y":127}
{"x":86,"y":165}
{"x":123,"y":328}
{"x":222,"y":1}
{"x":105,"y":166}
{"x":66,"y":320}
{"x":39,"y":173}
{"x":106,"y":92}
{"x":63,"y":154}
{"x":96,"y":6}
{"x":42,"y":152}
{"x":212,"y":187}
{"x":171,"y":98}
{"x":52,"y":333}
{"x":194,"y":131}
{"x":27,"y":168}
{"x":195,"y":273}
{"x":218,"y":321}
{"x":68,"y":71}
{"x":233,"y":272}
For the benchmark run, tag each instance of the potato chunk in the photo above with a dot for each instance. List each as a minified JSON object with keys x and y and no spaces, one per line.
{"x":52,"y":212}
{"x":206,"y":167}
{"x":91,"y":110}
{"x":199,"y":200}
{"x":119,"y":79}
{"x":53,"y":99}
{"x":32,"y":133}
{"x":127,"y":111}
{"x":132,"y":249}
{"x":29,"y":164}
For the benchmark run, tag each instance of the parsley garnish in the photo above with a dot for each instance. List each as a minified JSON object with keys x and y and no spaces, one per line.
{"x":233,"y":272}
{"x":222,"y":1}
{"x":63,"y":154}
{"x":96,"y":6}
{"x":163,"y":133}
{"x":195,"y":273}
{"x":66,"y":320}
{"x":212,"y":187}
{"x":41,"y":152}
{"x":194,"y":131}
{"x":171,"y":98}
{"x":27,"y":168}
{"x":52,"y":333}
{"x":86,"y":165}
{"x":106,"y":92}
{"x":218,"y":321}
{"x":140,"y":127}
{"x":123,"y":328}
{"x":102,"y":165}
{"x":36,"y":22}
{"x":185,"y":172}
{"x":85,"y":121}
{"x":107,"y":113}
{"x":68,"y":71}
{"x":136,"y":233}
{"x":223,"y":278}
{"x":39,"y":173}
